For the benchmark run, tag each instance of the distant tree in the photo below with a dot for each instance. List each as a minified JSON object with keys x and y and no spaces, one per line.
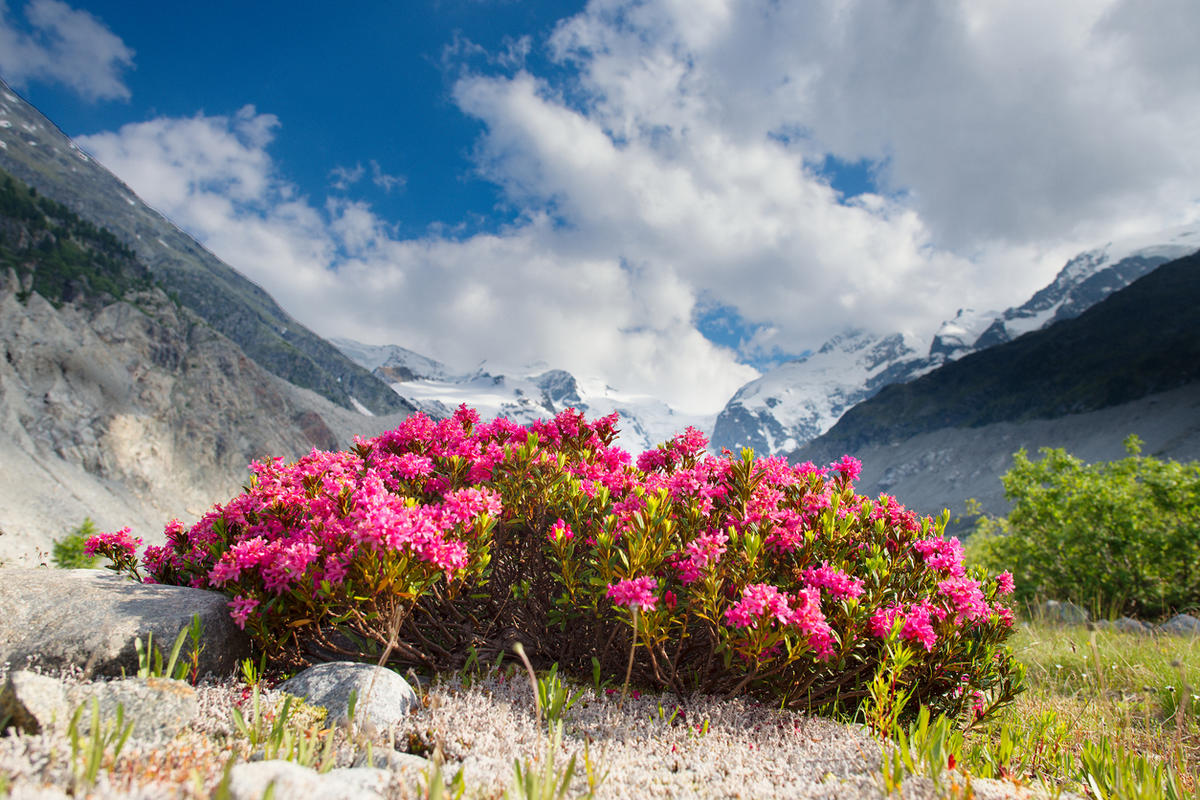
{"x":68,"y":552}
{"x":1121,"y":536}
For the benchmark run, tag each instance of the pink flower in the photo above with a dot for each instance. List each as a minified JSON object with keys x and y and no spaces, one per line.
{"x":965,"y":598}
{"x":808,"y":617}
{"x":918,"y":626}
{"x":705,"y":549}
{"x":240,"y":609}
{"x":224,"y":571}
{"x":849,"y":468}
{"x":806,"y":469}
{"x":117,"y":545}
{"x":691,"y":441}
{"x":1004,"y":613}
{"x":652,"y":460}
{"x":635,"y":592}
{"x":561,"y":531}
{"x":915,"y":623}
{"x":758,"y":600}
{"x":884,"y":620}
{"x":1004,"y":583}
{"x":838,"y":583}
{"x":942,"y":555}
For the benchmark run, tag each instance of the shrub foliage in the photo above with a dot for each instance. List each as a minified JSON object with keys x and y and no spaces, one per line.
{"x":1120,"y":536}
{"x":68,"y":552}
{"x":440,"y":541}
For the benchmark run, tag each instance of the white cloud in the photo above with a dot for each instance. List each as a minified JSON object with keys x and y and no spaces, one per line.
{"x":64,"y":45}
{"x":675,"y":163}
{"x":526,"y":294}
{"x":1006,"y":135}
{"x":342,"y":178}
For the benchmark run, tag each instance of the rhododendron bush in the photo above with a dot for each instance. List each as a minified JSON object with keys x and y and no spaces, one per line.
{"x":718,"y":573}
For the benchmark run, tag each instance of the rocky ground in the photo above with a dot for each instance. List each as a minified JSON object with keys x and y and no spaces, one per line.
{"x":647,"y":746}
{"x":64,"y":630}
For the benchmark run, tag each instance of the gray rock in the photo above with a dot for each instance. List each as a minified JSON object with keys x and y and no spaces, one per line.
{"x":249,"y":782}
{"x":89,"y":618}
{"x":26,"y":791}
{"x":1181,"y":624}
{"x":383,"y":697}
{"x":1122,"y":625}
{"x":33,"y":702}
{"x":158,"y":708}
{"x":392,"y":760}
{"x":1062,"y":613}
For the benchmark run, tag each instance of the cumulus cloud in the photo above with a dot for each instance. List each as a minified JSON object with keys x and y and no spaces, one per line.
{"x":1003,"y":137}
{"x":525,"y":294}
{"x":675,"y":162}
{"x":63,"y":45}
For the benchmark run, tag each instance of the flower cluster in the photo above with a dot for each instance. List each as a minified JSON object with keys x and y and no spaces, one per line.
{"x":119,"y":547}
{"x":746,"y":572}
{"x":634,"y":592}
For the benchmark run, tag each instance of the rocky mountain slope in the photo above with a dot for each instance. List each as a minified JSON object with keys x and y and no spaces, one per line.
{"x":536,"y":392}
{"x":117,"y":403}
{"x":1129,"y":364}
{"x":800,"y":400}
{"x":40,"y":155}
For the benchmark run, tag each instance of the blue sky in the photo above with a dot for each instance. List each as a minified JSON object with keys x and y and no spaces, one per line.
{"x":369,"y":83}
{"x":669,"y":195}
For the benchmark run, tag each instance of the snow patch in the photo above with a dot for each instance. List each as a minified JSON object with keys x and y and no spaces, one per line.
{"x":1171,"y":243}
{"x":1019,"y":326}
{"x":360,"y":408}
{"x":531,"y":392}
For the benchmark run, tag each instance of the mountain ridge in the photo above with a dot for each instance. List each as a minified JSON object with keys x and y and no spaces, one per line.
{"x":1129,"y":364}
{"x":35,"y":151}
{"x":1149,"y":327}
{"x":802,"y":399}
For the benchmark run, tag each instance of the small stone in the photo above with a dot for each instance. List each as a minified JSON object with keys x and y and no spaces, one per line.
{"x":33,"y":702}
{"x":249,"y":781}
{"x":1131,"y":625}
{"x":1181,"y":624}
{"x":26,"y":791}
{"x":392,"y":760}
{"x":1122,"y":625}
{"x":158,"y":708}
{"x":383,"y":697}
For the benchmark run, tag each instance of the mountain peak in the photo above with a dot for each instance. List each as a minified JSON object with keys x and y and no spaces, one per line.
{"x":802,"y":399}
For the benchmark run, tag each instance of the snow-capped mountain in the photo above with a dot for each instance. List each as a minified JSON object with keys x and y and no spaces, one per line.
{"x":798,"y":401}
{"x":535,"y":392}
{"x":1090,"y":277}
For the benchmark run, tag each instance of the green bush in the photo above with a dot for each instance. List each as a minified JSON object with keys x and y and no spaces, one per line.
{"x":68,"y":552}
{"x":1120,"y":537}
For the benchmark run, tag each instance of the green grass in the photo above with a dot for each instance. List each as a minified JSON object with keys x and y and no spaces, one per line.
{"x":1097,"y":702}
